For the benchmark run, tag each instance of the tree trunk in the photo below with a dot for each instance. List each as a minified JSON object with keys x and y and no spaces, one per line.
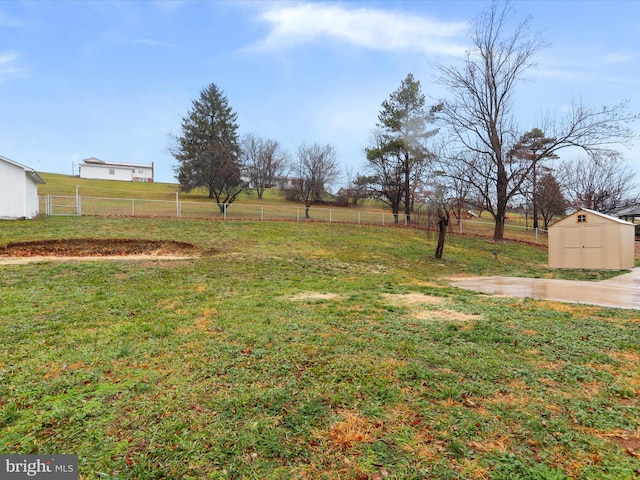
{"x":501,"y":201}
{"x":535,"y":199}
{"x":395,"y":217}
{"x":407,"y":189}
{"x":443,"y":222}
{"x":306,"y":211}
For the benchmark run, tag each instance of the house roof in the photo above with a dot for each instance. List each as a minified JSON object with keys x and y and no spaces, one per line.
{"x":593,"y":212}
{"x":629,"y":212}
{"x":31,"y":173}
{"x":97,"y":161}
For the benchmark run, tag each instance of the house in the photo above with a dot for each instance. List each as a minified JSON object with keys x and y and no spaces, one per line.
{"x":591,"y":240}
{"x":126,"y":172}
{"x":18,"y":190}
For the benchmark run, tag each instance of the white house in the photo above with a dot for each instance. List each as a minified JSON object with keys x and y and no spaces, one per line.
{"x":126,"y":172}
{"x":18,"y":190}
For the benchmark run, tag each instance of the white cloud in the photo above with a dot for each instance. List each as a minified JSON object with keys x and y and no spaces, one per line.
{"x":152,"y":43}
{"x":8,"y":21}
{"x":368,"y":28}
{"x":617,"y":58}
{"x":8,"y":65}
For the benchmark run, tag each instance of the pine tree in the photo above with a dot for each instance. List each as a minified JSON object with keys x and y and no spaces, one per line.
{"x":208,"y":149}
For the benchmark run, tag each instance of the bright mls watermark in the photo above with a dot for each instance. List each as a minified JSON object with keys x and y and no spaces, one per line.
{"x":45,"y":467}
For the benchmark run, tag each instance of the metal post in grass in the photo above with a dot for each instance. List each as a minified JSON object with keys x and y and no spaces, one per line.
{"x":77,"y":202}
{"x":177,"y":206}
{"x":358,"y":218}
{"x":224,"y":211}
{"x":329,"y":215}
{"x":383,"y":219}
{"x":133,"y":207}
{"x":261,"y":212}
{"x":536,"y":235}
{"x":298,"y":216}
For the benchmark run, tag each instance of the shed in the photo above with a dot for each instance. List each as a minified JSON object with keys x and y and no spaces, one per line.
{"x":591,"y":240}
{"x":18,"y":190}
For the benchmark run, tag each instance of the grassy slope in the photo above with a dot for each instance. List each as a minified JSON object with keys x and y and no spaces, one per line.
{"x":308,"y":351}
{"x":65,"y":185}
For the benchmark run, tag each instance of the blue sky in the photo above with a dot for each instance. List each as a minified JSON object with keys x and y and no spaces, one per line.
{"x":113,"y":79}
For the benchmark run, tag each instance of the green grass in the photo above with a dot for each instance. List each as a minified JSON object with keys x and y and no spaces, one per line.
{"x":65,"y":185}
{"x":309,"y":351}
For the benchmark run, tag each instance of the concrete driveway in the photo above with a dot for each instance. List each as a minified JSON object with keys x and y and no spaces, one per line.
{"x":620,"y":292}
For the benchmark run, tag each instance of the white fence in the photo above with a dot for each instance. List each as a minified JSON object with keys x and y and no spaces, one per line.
{"x":53,"y":205}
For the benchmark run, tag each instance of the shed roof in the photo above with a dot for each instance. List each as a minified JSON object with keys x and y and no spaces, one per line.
{"x":31,"y":173}
{"x":593,"y":212}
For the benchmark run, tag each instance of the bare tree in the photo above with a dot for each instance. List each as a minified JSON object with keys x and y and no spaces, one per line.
{"x":356,"y":189}
{"x":481,"y":122}
{"x":479,"y":114}
{"x":603,"y":182}
{"x":313,"y":171}
{"x":264,"y":161}
{"x":551,"y":202}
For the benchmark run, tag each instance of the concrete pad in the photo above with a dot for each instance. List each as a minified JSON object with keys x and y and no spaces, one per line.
{"x":619,"y":292}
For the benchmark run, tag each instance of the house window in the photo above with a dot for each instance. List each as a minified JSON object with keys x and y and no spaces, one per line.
{"x":112,"y":171}
{"x":582,"y":218}
{"x":140,"y":170}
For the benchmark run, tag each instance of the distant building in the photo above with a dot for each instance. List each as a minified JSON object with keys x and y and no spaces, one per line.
{"x":126,"y":172}
{"x":18,"y":190}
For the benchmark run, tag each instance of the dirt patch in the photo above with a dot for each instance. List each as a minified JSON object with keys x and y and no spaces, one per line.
{"x":95,"y":249}
{"x":407,"y":299}
{"x":301,"y":297}
{"x":446,"y":315}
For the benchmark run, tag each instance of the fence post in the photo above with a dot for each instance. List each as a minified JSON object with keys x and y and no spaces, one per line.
{"x":460,"y":223}
{"x":133,"y":207}
{"x":177,"y":206}
{"x":298,"y":217}
{"x":536,"y":235}
{"x":261,"y":212}
{"x":48,"y":204}
{"x":383,"y":219}
{"x":77,"y":202}
{"x":329,"y":215}
{"x":358,"y":218}
{"x":224,"y":211}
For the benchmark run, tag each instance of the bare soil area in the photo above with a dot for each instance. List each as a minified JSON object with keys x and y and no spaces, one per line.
{"x":94,"y":248}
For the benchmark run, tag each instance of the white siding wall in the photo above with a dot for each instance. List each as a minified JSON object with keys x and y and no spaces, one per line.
{"x":32,"y":202}
{"x":18,"y":193}
{"x":103,"y":172}
{"x":142,"y":174}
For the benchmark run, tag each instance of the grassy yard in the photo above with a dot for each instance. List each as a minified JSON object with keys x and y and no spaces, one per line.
{"x":309,"y":351}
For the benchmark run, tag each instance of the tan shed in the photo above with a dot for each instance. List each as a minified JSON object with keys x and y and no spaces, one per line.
{"x":592,"y":240}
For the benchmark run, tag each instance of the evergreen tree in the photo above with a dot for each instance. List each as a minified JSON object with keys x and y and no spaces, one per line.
{"x":400,"y":146}
{"x":208,"y":151}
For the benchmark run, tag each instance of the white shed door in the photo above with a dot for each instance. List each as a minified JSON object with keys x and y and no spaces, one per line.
{"x":592,"y":239}
{"x":572,"y":247}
